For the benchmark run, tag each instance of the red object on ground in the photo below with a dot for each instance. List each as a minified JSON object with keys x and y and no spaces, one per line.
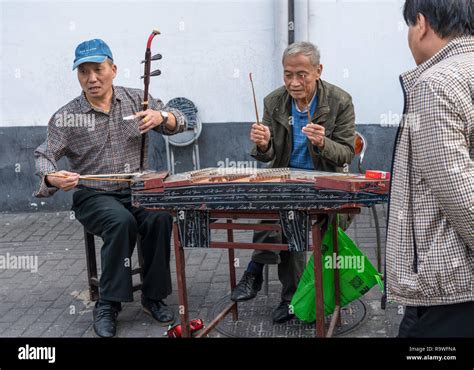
{"x":194,"y":325}
{"x":371,"y":174}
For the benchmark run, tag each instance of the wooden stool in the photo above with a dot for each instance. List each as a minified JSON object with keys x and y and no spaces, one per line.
{"x":92,"y":265}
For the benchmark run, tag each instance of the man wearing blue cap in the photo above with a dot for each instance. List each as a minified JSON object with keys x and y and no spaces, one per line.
{"x":92,"y":133}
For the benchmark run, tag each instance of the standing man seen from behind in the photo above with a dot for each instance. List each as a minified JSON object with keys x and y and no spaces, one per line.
{"x":110,"y":144}
{"x":430,"y":236}
{"x":287,"y":139}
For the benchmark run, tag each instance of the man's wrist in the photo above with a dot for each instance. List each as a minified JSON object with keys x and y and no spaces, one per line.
{"x":263,"y":150}
{"x":169,"y":120}
{"x":164,"y":116}
{"x":47,"y":183}
{"x":321,"y":147}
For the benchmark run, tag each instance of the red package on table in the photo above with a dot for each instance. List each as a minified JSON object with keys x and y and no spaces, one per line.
{"x":381,"y":175}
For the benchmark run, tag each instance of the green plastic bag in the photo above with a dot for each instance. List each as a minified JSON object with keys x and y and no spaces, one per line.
{"x":356,"y":277}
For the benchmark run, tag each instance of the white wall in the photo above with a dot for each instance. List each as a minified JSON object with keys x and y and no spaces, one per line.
{"x":364,"y":50}
{"x":208,"y":48}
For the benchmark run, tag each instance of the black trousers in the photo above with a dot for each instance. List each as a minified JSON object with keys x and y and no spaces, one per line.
{"x":111,"y":216}
{"x":290,"y":264}
{"x":453,"y":320}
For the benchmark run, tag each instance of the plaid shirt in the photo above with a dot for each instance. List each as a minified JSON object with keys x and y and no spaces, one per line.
{"x":96,"y":142}
{"x":430,"y":235}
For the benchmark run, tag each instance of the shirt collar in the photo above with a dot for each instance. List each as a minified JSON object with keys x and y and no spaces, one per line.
{"x":118,"y":93}
{"x":86,"y":107}
{"x":309,"y":104}
{"x":459,"y":45}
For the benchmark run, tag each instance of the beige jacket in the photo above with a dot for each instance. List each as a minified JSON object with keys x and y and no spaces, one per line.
{"x":430,"y":235}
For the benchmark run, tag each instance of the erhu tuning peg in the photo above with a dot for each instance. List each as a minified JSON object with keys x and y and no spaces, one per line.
{"x":154,"y":57}
{"x":156,"y":72}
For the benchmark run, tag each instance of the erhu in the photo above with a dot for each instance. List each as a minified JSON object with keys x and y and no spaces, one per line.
{"x":146,"y":80}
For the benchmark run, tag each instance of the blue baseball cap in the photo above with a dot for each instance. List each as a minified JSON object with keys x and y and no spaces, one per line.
{"x":95,"y":51}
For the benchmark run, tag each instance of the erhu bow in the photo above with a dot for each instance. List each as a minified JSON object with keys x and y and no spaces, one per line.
{"x":146,"y":79}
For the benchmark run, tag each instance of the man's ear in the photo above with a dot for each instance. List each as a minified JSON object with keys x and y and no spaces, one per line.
{"x":114,"y":69}
{"x":319,"y":71}
{"x":421,"y":26}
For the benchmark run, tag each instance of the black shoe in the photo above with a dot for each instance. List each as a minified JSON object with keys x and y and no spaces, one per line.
{"x":158,"y":310}
{"x":105,"y":318}
{"x":247,"y":288}
{"x":282,"y":313}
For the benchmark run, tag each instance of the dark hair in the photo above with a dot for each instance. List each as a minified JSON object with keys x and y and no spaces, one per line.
{"x":448,"y":18}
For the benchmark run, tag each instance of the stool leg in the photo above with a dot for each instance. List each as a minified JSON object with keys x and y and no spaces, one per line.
{"x":91,"y":263}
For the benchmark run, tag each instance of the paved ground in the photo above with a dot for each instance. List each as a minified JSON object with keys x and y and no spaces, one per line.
{"x":54,"y":302}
